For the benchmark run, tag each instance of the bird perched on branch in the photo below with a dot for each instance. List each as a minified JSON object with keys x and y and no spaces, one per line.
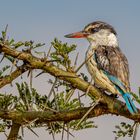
{"x":106,"y":63}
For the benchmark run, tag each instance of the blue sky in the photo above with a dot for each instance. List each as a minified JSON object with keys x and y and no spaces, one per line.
{"x":44,"y":20}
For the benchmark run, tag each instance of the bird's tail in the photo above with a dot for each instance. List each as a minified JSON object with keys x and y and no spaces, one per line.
{"x":126,"y":95}
{"x":129,"y":103}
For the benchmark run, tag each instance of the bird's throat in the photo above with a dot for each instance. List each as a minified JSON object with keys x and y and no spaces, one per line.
{"x":104,"y":40}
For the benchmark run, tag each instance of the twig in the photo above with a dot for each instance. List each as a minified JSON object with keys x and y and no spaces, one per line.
{"x":8,"y":79}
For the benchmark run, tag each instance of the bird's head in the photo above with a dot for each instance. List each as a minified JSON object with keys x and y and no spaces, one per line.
{"x":97,"y":33}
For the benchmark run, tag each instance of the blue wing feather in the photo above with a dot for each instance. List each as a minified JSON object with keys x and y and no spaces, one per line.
{"x":120,"y":87}
{"x":115,"y":80}
{"x":115,"y":66}
{"x":129,"y":103}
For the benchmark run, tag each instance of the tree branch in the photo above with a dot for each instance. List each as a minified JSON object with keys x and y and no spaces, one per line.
{"x":49,"y":116}
{"x":114,"y":106}
{"x":9,"y":78}
{"x":66,"y":116}
{"x":14,"y":131}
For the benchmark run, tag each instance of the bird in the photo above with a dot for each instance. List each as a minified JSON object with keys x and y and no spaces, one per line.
{"x":105,"y":61}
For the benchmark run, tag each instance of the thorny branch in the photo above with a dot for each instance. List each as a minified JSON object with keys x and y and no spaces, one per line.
{"x":9,"y":78}
{"x":106,"y":104}
{"x":114,"y":105}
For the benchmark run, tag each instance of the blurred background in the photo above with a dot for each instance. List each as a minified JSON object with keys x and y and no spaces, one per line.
{"x":44,"y":20}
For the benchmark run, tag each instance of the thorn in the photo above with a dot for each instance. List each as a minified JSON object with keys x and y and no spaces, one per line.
{"x":65,"y":129}
{"x":39,"y":74}
{"x":89,"y":87}
{"x":32,"y":131}
{"x":2,"y":58}
{"x":70,"y":93}
{"x":49,"y":52}
{"x":75,"y":63}
{"x":92,"y":107}
{"x":79,"y":99}
{"x":5,"y":31}
{"x":50,"y":93}
{"x":51,"y":125}
{"x":135,"y":130}
{"x":83,"y":63}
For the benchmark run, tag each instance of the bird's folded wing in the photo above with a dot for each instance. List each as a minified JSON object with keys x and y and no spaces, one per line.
{"x":114,"y":64}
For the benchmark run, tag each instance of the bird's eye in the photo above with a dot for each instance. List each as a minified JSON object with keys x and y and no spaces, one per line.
{"x":93,"y":30}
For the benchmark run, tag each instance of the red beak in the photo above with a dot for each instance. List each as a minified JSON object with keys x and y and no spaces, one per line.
{"x":80,"y":34}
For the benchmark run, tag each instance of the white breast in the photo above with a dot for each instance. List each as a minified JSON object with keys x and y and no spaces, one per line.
{"x":112,"y":40}
{"x":100,"y":79}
